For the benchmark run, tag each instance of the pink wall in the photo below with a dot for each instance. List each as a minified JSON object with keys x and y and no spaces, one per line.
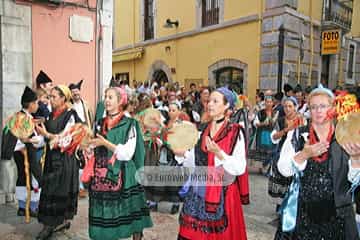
{"x":54,"y":52}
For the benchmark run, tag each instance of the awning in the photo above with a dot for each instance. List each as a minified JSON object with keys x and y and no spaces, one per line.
{"x":126,"y":55}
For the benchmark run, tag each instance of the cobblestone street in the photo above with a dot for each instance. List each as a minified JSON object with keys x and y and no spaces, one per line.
{"x":257,"y":216}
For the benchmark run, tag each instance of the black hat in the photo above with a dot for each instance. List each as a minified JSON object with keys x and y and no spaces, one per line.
{"x":28,"y":96}
{"x":287,"y":87}
{"x":42,"y":78}
{"x":77,"y":85}
{"x":279,"y":96}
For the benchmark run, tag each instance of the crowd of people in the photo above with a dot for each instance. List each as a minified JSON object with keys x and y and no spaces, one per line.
{"x":291,"y":133}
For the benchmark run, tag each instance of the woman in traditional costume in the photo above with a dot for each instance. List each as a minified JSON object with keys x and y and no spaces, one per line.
{"x":318,"y":204}
{"x":166,"y":198}
{"x":215,"y":211}
{"x":60,"y":185}
{"x":285,"y":127}
{"x":262,"y":148}
{"x":117,"y":207}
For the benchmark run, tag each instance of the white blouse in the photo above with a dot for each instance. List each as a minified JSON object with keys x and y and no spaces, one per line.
{"x":125,"y":152}
{"x":287,"y":163}
{"x":234,"y":164}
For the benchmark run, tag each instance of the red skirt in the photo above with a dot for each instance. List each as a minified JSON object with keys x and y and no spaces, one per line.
{"x":235,"y":229}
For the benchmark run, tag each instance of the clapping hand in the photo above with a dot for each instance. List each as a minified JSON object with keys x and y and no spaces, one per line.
{"x":97,"y":141}
{"x":212,"y":146}
{"x":316,"y":149}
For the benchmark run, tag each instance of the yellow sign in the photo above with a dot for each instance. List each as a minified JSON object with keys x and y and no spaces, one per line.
{"x":330,"y":43}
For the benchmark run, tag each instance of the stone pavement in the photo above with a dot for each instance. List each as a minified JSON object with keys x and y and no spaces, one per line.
{"x":257,"y":216}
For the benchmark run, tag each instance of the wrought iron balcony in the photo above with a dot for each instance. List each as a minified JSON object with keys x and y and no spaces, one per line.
{"x":338,"y":13}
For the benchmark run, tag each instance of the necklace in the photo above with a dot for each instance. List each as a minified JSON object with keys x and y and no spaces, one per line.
{"x":110,"y":122}
{"x":114,"y":114}
{"x":220,"y":120}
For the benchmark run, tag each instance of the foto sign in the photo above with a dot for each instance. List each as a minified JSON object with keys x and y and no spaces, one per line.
{"x":330,"y":43}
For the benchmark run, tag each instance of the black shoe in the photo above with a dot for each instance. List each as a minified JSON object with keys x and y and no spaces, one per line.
{"x":45,"y":233}
{"x":34,"y":214}
{"x":63,"y":226}
{"x":275,"y":222}
{"x":175,"y":209}
{"x":153,"y":206}
{"x":21,"y":212}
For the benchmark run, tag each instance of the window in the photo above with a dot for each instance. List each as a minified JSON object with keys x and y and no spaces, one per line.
{"x":232,"y":77}
{"x":149,"y":19}
{"x":351,"y":61}
{"x":122,"y":77}
{"x":210,"y":12}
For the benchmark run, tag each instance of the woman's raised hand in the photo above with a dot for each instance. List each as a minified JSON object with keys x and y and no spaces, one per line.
{"x":97,"y":141}
{"x":316,"y":149}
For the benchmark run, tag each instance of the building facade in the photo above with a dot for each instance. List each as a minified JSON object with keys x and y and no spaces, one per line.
{"x":246,"y":44}
{"x":60,"y":37}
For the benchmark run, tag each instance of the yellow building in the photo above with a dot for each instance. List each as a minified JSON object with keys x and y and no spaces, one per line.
{"x":217,"y":42}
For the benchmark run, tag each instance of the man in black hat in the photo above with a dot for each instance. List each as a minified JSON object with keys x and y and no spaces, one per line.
{"x":44,"y":81}
{"x":82,"y":109}
{"x":80,"y":105}
{"x":12,"y":147}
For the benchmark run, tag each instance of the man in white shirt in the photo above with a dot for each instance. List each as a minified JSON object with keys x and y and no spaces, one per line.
{"x":82,"y":110}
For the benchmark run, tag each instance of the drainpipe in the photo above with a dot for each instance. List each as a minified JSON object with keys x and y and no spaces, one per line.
{"x":311,"y":43}
{"x":259,"y":51}
{"x":280,"y":56}
{"x":99,"y":8}
{"x":134,"y":63}
{"x":1,"y":86}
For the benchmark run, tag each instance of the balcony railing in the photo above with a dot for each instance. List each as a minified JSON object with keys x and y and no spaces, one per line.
{"x":338,"y":13}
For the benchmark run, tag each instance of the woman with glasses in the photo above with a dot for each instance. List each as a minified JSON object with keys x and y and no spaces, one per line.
{"x":318,"y":204}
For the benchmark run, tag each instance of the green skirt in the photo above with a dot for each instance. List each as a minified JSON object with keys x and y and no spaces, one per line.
{"x":114,"y":215}
{"x":119,"y":214}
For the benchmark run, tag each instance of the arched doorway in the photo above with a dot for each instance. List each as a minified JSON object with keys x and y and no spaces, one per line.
{"x":159,"y":71}
{"x":160,"y":77}
{"x":231,"y":72}
{"x":231,"y":77}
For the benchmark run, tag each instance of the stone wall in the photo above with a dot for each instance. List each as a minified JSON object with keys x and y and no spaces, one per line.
{"x":296,"y":27}
{"x":16,"y":54}
{"x":344,"y":61}
{"x":15,"y":73}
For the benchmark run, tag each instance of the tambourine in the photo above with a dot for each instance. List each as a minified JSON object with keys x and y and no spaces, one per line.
{"x":182,"y":136}
{"x":77,"y":135}
{"x":150,"y":116}
{"x":348,"y":129}
{"x":21,"y":125}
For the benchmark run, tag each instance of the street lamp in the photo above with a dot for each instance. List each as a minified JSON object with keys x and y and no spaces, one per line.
{"x":170,"y":24}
